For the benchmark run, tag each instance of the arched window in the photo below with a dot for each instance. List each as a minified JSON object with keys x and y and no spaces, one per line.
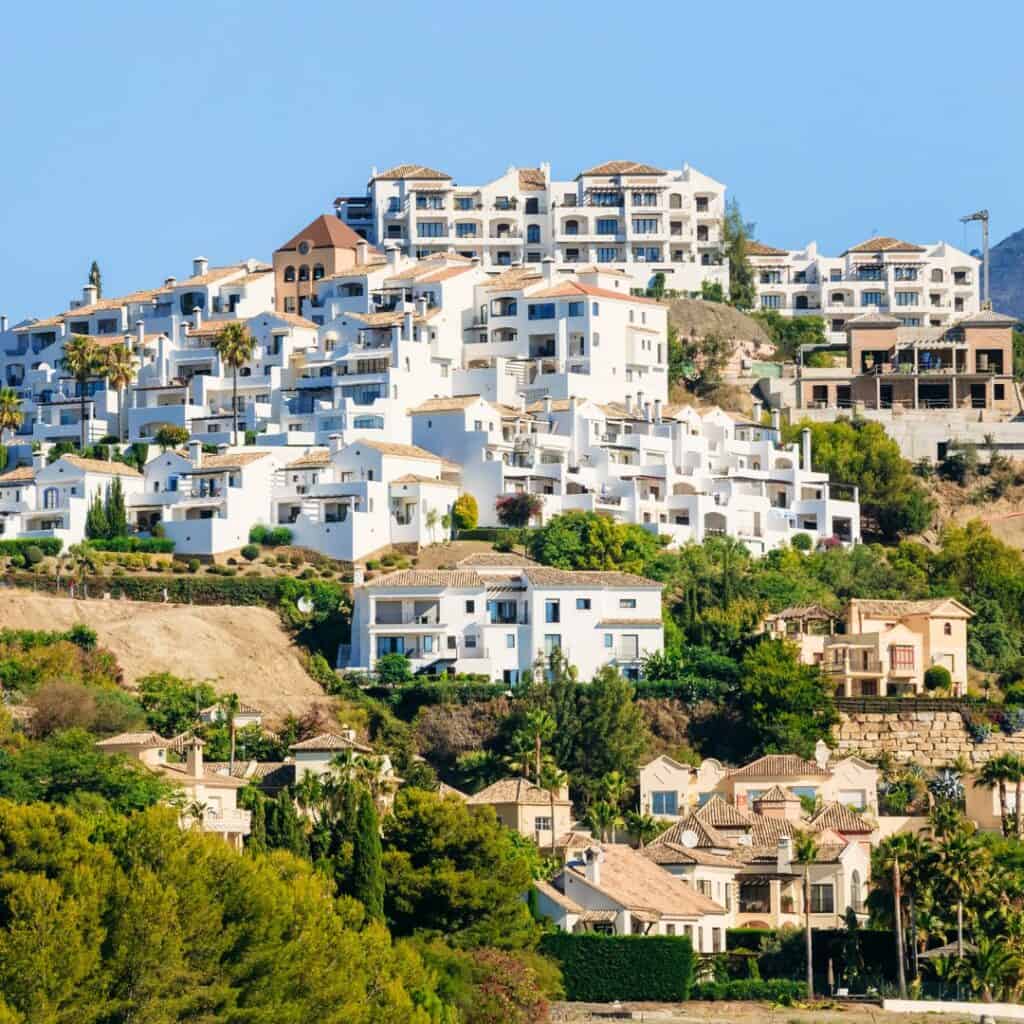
{"x":318,"y":271}
{"x":533,"y":234}
{"x":289,"y":273}
{"x":304,"y":272}
{"x":675,"y":201}
{"x":947,"y":629}
{"x":572,"y":227}
{"x":51,"y":498}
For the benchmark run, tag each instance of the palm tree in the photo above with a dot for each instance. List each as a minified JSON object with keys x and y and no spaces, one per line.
{"x":996,"y":773}
{"x":886,"y":863}
{"x":994,"y":969}
{"x":1015,"y":774}
{"x":119,"y":367}
{"x":614,"y":787}
{"x":962,"y":863}
{"x":552,"y":778}
{"x":81,"y":359}
{"x":433,"y":520}
{"x":538,"y":727}
{"x":805,"y":851}
{"x":643,"y":826}
{"x":11,"y":416}
{"x":603,"y":817}
{"x":519,"y":758}
{"x":235,"y":346}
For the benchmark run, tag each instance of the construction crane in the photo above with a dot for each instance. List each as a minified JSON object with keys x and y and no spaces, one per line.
{"x":982,"y":215}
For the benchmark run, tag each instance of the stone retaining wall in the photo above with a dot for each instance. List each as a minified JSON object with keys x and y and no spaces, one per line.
{"x":932,"y":739}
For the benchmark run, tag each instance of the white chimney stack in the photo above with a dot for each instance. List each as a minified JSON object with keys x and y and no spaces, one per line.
{"x":140,"y":334}
{"x":197,"y":318}
{"x":89,"y":295}
{"x":547,"y":405}
{"x":756,"y":416}
{"x":39,"y":460}
{"x":593,"y":856}
{"x":392,"y":253}
{"x":195,"y":453}
{"x":200,"y":265}
{"x":776,"y":420}
{"x":421,"y":305}
{"x":805,"y":438}
{"x":362,"y":247}
{"x":784,"y":859}
{"x":170,"y":282}
{"x":407,"y":323}
{"x":547,"y":266}
{"x":3,"y":324}
{"x":629,"y":402}
{"x":194,"y":757}
{"x":334,"y":443}
{"x":358,"y":575}
{"x":657,"y":410}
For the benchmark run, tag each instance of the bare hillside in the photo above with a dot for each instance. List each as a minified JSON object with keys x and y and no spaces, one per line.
{"x":243,"y":650}
{"x":695,"y":316}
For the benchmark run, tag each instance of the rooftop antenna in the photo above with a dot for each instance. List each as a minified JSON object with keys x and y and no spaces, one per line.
{"x":982,"y":215}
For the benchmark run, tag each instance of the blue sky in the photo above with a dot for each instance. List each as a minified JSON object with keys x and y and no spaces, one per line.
{"x":142,"y":135}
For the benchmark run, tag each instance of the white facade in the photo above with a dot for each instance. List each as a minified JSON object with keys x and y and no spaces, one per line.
{"x":495,"y":617}
{"x":921,"y":285}
{"x":621,"y":214}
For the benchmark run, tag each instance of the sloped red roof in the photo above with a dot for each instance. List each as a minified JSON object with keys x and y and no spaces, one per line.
{"x":325,"y":232}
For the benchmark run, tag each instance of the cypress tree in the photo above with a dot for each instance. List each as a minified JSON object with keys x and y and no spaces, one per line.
{"x":367,"y":870}
{"x":283,"y":827}
{"x":257,"y":840}
{"x":96,"y":525}
{"x":96,"y":279}
{"x":117,"y":515}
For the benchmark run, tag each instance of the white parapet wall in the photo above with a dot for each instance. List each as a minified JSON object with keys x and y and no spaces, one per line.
{"x":976,"y":1011}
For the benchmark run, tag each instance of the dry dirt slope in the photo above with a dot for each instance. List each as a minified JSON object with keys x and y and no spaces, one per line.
{"x":243,"y":650}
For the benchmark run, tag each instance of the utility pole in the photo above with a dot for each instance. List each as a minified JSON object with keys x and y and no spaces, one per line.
{"x":982,"y":215}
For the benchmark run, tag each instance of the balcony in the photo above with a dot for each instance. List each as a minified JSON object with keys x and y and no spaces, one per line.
{"x":228,"y":820}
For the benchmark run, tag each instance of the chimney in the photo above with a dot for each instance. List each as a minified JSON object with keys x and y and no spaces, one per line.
{"x":547,"y":266}
{"x":640,"y":404}
{"x":140,"y":334}
{"x":475,"y":260}
{"x":805,"y":439}
{"x":223,"y":448}
{"x":756,"y":415}
{"x":195,"y":453}
{"x":421,"y":305}
{"x":822,"y":754}
{"x":170,"y":282}
{"x":362,"y":247}
{"x":39,"y":460}
{"x":647,"y":411}
{"x":657,"y":410}
{"x":547,"y":405}
{"x":407,"y":324}
{"x":392,"y":252}
{"x":358,"y":575}
{"x":593,"y":856}
{"x":197,"y":318}
{"x":629,"y":402}
{"x":89,"y":295}
{"x":200,"y":265}
{"x":784,"y":857}
{"x":194,"y":757}
{"x":3,"y":323}
{"x":334,"y":443}
{"x":776,"y":421}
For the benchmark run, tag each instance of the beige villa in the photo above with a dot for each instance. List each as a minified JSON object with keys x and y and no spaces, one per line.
{"x":526,"y":808}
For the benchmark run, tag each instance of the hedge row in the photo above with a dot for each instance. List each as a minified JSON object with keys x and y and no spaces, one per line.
{"x":487,"y":533}
{"x":688,"y":689}
{"x":145,"y":545}
{"x":603,"y":968}
{"x":775,"y":990}
{"x":407,"y":700}
{"x":48,"y":545}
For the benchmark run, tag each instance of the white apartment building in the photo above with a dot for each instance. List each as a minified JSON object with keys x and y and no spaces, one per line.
{"x":676,"y":471}
{"x":497,"y":615}
{"x":920,"y":285}
{"x":621,"y":214}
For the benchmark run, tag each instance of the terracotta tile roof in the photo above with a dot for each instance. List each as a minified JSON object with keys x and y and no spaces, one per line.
{"x":514,"y":278}
{"x":884,"y":243}
{"x":99,"y":466}
{"x":461,"y":579}
{"x":566,"y":289}
{"x":393,"y":318}
{"x":557,"y":405}
{"x":613,"y":167}
{"x":988,"y":318}
{"x":803,"y":611}
{"x":777,"y":795}
{"x":443,"y":275}
{"x":294,"y":320}
{"x":873,"y":320}
{"x":315,"y":458}
{"x":531,"y":179}
{"x":840,"y":818}
{"x":545,"y":576}
{"x":135,"y":739}
{"x":405,"y":451}
{"x":212,"y":276}
{"x":371,"y":266}
{"x":557,"y":897}
{"x":39,"y":325}
{"x":326,"y":232}
{"x":760,"y":249}
{"x":639,"y":623}
{"x":416,"y":171}
{"x":767,"y":831}
{"x":672,"y":853}
{"x":707,"y":836}
{"x":331,"y":741}
{"x":430,"y":267}
{"x":720,"y":813}
{"x":114,"y":302}
{"x":899,"y":609}
{"x":415,"y":478}
{"x":229,"y":460}
{"x":493,"y":559}
{"x":516,"y":791}
{"x":455,"y":403}
{"x":636,"y":883}
{"x":19,"y":475}
{"x":180,"y":773}
{"x":782,"y":766}
{"x":444,"y":789}
{"x":601,"y":268}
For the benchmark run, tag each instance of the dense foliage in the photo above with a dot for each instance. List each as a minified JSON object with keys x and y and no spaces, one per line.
{"x":602,"y":968}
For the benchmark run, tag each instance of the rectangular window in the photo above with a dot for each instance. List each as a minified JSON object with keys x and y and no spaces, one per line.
{"x":627,"y":602}
{"x":552,"y":611}
{"x":607,"y":226}
{"x":470,"y":642}
{"x":541,"y":311}
{"x":771,"y":302}
{"x":430,"y":202}
{"x":808,"y":791}
{"x":907,"y":298}
{"x":871,"y":299}
{"x":510,"y":676}
{"x":471,"y":606}
{"x":664,"y":802}
{"x":901,"y":656}
{"x":510,"y":641}
{"x":583,"y":604}
{"x":577,"y":308}
{"x":716,"y":940}
{"x":629,"y":646}
{"x":552,"y":643}
{"x":645,"y":225}
{"x":823,"y":899}
{"x":428,"y":645}
{"x":542,"y":824}
{"x":855,"y":798}
{"x":465,"y":230}
{"x":430,"y":228}
{"x":906,"y":273}
{"x":645,"y":198}
{"x":607,"y":255}
{"x":464,"y":203}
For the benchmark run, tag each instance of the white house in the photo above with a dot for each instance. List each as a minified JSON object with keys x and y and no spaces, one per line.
{"x":496,"y":617}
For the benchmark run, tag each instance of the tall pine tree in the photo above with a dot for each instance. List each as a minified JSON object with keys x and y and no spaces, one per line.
{"x":96,"y":524}
{"x":367,"y":870}
{"x":117,"y":515}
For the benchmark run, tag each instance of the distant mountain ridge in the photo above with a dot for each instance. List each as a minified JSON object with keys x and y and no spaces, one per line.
{"x":1007,"y":275}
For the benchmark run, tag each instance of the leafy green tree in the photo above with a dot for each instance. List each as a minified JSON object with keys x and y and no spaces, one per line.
{"x":642,"y":827}
{"x":234,"y":345}
{"x":82,"y":360}
{"x":465,"y":513}
{"x":538,"y":727}
{"x":114,"y":508}
{"x":701,"y":361}
{"x":169,"y":435}
{"x":787,"y":705}
{"x":454,"y":870}
{"x":805,"y":853}
{"x":516,"y":510}
{"x":172,"y":705}
{"x":11,"y":414}
{"x":367,"y":868}
{"x":790,"y":334}
{"x":284,"y":827}
{"x":393,"y":669}
{"x":712,"y":291}
{"x":585,"y":540}
{"x":97,"y":526}
{"x":603,"y":817}
{"x":736,"y":233}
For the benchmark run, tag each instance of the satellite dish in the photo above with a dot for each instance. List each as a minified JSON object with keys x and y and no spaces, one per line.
{"x":690,"y":839}
{"x":305,"y":605}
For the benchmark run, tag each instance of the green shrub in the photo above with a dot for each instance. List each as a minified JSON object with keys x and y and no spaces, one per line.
{"x":802,"y":541}
{"x":308,"y":574}
{"x":33,"y":554}
{"x":277,"y":536}
{"x":393,"y":669}
{"x":1014,"y":694}
{"x":389,"y":559}
{"x":296,"y":561}
{"x":47,"y":545}
{"x":250,"y":552}
{"x":775,"y":990}
{"x":258,"y":534}
{"x":232,"y":561}
{"x":937,"y":678}
{"x":465,"y":512}
{"x":193,"y":565}
{"x":146,"y":545}
{"x":372,"y":565}
{"x":603,"y":968}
